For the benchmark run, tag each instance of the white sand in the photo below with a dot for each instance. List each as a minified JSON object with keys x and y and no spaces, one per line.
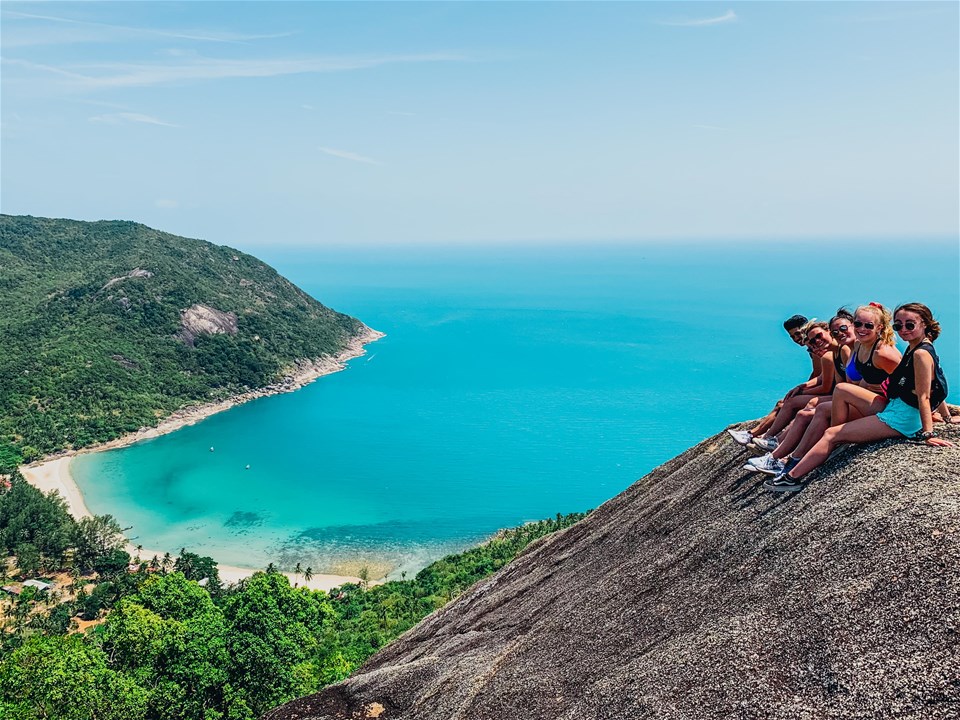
{"x":54,"y":474}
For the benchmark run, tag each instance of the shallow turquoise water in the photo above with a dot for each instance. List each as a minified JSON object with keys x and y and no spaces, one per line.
{"x":513,"y":384}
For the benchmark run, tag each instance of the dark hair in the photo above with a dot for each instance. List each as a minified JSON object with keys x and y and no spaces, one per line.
{"x":794,"y":322}
{"x":842,"y":313}
{"x":932,"y":330}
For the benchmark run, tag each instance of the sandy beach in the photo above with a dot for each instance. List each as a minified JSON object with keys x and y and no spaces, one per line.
{"x":53,"y":473}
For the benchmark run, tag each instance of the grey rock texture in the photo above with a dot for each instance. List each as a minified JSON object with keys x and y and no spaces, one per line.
{"x":696,"y":594}
{"x":199,"y":320}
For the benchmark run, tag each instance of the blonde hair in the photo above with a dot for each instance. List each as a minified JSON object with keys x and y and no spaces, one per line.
{"x":885,"y":321}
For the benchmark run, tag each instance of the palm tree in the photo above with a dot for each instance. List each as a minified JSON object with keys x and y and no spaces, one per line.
{"x":308,"y":574}
{"x":364,"y":576}
{"x":271,"y":568}
{"x":296,"y":574}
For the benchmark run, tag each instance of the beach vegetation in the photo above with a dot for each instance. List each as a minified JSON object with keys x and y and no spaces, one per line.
{"x":167,"y":640}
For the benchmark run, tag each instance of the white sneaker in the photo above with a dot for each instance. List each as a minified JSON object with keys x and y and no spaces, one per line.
{"x":741,"y":437}
{"x":768,"y":464}
{"x":768,"y":444}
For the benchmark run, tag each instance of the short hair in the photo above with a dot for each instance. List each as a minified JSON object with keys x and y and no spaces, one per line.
{"x":932,"y":329}
{"x":794,"y":322}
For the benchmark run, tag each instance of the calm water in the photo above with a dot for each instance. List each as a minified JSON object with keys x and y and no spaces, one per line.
{"x":513,"y":384}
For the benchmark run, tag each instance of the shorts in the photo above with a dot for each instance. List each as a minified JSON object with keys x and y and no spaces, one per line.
{"x":901,"y":417}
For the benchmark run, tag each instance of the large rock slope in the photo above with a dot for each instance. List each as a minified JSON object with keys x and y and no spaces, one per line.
{"x":696,"y":594}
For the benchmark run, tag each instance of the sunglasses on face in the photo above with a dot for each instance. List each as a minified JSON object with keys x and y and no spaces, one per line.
{"x":840,"y":330}
{"x":817,"y":339}
{"x":909,"y":325}
{"x":867,"y":325}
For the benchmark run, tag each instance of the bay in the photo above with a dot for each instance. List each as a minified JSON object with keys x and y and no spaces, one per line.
{"x":514,"y":383}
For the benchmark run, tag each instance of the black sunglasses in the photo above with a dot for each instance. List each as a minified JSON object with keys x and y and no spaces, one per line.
{"x":841,"y":329}
{"x":909,"y":325}
{"x":868,"y":326}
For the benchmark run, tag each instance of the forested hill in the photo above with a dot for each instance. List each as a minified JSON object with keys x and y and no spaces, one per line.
{"x":107,"y":327}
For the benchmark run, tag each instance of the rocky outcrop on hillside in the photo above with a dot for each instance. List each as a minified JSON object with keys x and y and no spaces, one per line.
{"x":199,"y":320}
{"x":697,"y":594}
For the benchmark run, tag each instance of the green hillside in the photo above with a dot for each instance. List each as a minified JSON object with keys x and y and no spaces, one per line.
{"x":93,"y":340}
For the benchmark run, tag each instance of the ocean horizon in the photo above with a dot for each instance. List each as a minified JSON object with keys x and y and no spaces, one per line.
{"x":514,"y":383}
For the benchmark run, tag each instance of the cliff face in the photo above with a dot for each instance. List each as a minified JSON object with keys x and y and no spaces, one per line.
{"x":696,"y":594}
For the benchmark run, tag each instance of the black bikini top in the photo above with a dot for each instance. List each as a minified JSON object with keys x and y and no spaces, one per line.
{"x":868,"y":371}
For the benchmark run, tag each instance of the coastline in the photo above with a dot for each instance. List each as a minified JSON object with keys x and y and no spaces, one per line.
{"x":53,"y":472}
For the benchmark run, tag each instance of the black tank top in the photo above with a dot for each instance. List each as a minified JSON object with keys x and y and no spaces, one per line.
{"x":868,"y":371}
{"x":903,"y":380}
{"x":841,"y":368}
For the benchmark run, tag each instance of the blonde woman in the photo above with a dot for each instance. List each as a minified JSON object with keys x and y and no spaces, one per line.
{"x":875,"y":356}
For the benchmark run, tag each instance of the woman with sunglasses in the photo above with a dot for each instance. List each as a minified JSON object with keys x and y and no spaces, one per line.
{"x":808,"y":393}
{"x":875,"y":356}
{"x":811,"y":422}
{"x":916,"y":386}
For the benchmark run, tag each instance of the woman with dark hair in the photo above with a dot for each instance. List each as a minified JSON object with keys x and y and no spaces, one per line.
{"x":811,"y":422}
{"x":917,"y":385}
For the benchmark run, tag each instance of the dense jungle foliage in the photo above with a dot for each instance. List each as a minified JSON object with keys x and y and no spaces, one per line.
{"x":171,"y":642}
{"x":89,"y":319}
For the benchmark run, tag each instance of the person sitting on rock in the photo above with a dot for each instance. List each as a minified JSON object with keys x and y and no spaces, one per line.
{"x":875,"y":356}
{"x":809,"y":393}
{"x":811,"y":422}
{"x":915,"y":386}
{"x":793,"y":325}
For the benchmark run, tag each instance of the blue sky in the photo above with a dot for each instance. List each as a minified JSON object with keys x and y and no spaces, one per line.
{"x":268,"y":124}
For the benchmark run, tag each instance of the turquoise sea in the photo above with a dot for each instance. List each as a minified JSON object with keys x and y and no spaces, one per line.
{"x":514,"y":383}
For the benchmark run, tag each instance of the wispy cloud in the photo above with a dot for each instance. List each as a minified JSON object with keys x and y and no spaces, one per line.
{"x":121,"y":118}
{"x":197,"y":68}
{"x":728,"y":16}
{"x":110,"y":31}
{"x":346,"y":155}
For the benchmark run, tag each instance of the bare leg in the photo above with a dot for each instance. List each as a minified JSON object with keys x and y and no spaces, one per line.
{"x":761,"y":427}
{"x":815,"y":430}
{"x":847,"y":397}
{"x":790,"y":408}
{"x":795,"y":432}
{"x":866,"y":429}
